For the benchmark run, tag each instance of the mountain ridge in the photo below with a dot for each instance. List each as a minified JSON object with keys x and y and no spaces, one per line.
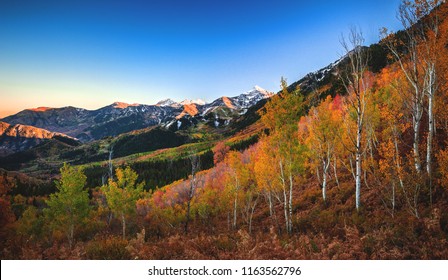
{"x":19,"y":137}
{"x":119,"y":117}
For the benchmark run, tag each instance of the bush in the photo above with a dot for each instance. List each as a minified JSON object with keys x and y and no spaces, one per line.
{"x":111,"y":248}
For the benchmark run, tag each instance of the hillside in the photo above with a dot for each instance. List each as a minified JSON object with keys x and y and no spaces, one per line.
{"x":18,"y":138}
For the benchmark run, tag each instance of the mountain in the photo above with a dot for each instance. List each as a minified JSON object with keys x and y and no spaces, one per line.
{"x":168,"y":103}
{"x":16,"y":138}
{"x":119,"y":117}
{"x":88,"y":125}
{"x":196,"y":101}
{"x":221,"y":112}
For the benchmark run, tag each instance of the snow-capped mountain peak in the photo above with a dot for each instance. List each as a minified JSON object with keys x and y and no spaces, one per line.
{"x":193,"y":101}
{"x":257,"y":90}
{"x":251,"y":97}
{"x":167,"y":103}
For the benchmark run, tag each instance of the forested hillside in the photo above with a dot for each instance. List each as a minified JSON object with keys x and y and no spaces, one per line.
{"x":353,"y":165}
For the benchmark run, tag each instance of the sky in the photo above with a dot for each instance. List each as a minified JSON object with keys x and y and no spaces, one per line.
{"x":90,"y":54}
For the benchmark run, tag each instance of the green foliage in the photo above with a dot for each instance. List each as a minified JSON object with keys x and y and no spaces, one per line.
{"x":123,"y":193}
{"x":16,"y":160}
{"x":68,"y":208}
{"x":152,"y":140}
{"x":283,"y":110}
{"x":158,"y":173}
{"x":245,"y":143}
{"x":31,"y":223}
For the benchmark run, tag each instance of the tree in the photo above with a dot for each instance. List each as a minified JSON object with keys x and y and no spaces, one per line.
{"x":266,"y":176}
{"x":237,"y":177}
{"x":392,"y":117}
{"x":280,"y":116}
{"x":6,"y":214}
{"x":195,"y":166}
{"x":122,"y":194}
{"x":219,"y":152}
{"x":251,"y":192}
{"x":417,"y":56}
{"x":357,"y":87}
{"x":68,"y":208}
{"x":321,"y":133}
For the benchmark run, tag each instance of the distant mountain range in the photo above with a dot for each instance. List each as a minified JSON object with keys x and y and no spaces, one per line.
{"x":118,"y":118}
{"x":15,"y":138}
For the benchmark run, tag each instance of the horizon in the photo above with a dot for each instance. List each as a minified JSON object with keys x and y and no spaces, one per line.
{"x":120,"y":103}
{"x":91,"y":55}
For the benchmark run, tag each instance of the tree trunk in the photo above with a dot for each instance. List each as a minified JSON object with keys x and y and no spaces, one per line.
{"x":71,"y":235}
{"x":123,"y":223}
{"x":269,"y":195}
{"x":393,"y":199}
{"x":415,"y":148}
{"x":335,"y":170}
{"x":234,"y":210}
{"x":358,"y":168}
{"x":429,"y":140}
{"x":187,"y":219}
{"x":290,"y":203}
{"x":285,"y":199}
{"x":326,"y":165}
{"x":252,"y":214}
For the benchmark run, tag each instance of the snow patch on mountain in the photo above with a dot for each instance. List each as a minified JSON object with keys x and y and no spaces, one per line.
{"x":193,"y":101}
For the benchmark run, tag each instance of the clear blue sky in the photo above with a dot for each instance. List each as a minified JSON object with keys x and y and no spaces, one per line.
{"x":91,"y":53}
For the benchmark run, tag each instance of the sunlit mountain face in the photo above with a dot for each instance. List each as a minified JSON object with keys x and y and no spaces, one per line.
{"x":120,"y":117}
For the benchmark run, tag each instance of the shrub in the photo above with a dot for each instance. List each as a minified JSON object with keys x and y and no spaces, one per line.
{"x":111,"y":248}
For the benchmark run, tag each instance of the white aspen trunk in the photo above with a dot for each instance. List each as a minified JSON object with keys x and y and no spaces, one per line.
{"x":397,"y":162}
{"x":290,"y":202}
{"x":430,"y":134}
{"x":393,"y":198}
{"x":270,"y":203}
{"x":252,"y":214}
{"x":326,"y":165}
{"x":285,"y":199}
{"x":324,"y":186}
{"x":335,"y":170}
{"x":234,"y":210}
{"x":358,"y":167}
{"x":285,"y":206}
{"x":416,"y":127}
{"x":235,"y":204}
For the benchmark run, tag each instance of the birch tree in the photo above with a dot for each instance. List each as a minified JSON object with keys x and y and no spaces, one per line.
{"x":416,"y":54}
{"x":357,"y":87}
{"x":281,"y":116}
{"x":321,"y":133}
{"x":122,"y":195}
{"x":195,"y":165}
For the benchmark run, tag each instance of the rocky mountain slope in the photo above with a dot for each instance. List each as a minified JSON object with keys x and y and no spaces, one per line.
{"x":16,"y":138}
{"x":118,"y":118}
